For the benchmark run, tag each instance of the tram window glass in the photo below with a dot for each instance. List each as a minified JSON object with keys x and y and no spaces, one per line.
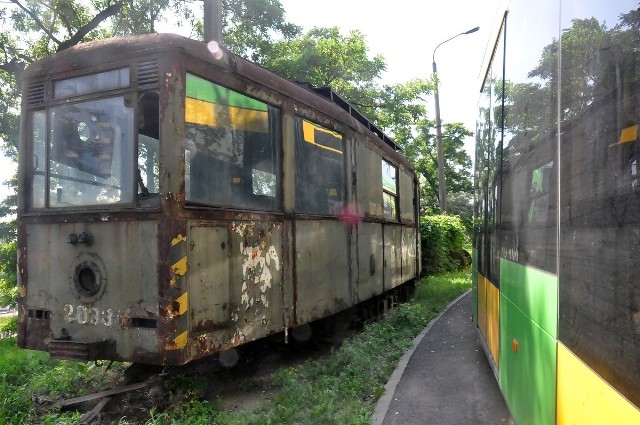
{"x":102,"y":81}
{"x":38,"y":135}
{"x":319,"y":156}
{"x":91,"y":151}
{"x":599,"y":293}
{"x":148,"y":145}
{"x":539,"y":194}
{"x":232,"y":152}
{"x":390,"y":190}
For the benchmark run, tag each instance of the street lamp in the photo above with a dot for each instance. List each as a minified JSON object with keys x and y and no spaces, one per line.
{"x":442,"y":190}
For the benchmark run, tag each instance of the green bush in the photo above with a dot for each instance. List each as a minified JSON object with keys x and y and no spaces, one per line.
{"x":9,"y":325}
{"x":442,"y":239}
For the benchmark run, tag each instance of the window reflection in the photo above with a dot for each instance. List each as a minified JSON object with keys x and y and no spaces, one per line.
{"x":148,"y":180}
{"x":389,"y":190}
{"x":91,"y":147}
{"x":109,"y":80}
{"x":319,"y":169}
{"x":39,"y":161}
{"x":232,"y":151}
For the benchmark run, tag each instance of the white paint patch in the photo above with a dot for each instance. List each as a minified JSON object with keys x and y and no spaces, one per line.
{"x":259,"y":261}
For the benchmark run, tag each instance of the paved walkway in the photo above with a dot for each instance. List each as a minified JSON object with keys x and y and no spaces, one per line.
{"x":445,"y":379}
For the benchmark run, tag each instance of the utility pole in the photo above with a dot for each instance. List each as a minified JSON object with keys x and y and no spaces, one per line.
{"x":212,"y":21}
{"x":442,"y":184}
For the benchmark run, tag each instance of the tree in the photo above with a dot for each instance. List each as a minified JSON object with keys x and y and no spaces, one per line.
{"x":421,"y":152}
{"x":324,"y":57}
{"x":250,"y":28}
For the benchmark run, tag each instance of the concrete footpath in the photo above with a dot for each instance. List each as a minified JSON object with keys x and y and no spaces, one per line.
{"x":445,"y":379}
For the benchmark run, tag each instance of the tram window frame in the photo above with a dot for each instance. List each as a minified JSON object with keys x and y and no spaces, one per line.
{"x":219,"y":148}
{"x":390,"y":198}
{"x":320,"y":173}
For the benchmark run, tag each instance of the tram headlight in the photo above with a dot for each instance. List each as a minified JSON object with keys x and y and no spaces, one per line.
{"x":86,"y":281}
{"x":88,"y":277}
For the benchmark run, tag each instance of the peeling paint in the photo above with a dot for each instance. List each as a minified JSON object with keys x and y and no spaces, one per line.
{"x":259,"y":261}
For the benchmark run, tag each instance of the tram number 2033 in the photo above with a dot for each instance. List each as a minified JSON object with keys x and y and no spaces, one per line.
{"x":87,"y":316}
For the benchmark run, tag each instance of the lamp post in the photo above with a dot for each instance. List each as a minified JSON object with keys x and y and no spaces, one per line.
{"x":442,"y":189}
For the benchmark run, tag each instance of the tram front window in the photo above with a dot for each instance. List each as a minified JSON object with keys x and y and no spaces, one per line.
{"x":91,"y":148}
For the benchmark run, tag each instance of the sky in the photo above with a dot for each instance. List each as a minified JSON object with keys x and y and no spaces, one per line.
{"x":405,"y":33}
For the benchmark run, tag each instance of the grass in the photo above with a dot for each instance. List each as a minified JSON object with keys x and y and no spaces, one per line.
{"x":28,"y":377}
{"x":342,"y":388}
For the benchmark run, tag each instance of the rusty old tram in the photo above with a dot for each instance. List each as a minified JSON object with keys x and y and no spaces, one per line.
{"x":174,"y":203}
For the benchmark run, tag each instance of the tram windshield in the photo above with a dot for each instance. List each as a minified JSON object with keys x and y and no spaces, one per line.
{"x":90,"y":149}
{"x":91,"y":146}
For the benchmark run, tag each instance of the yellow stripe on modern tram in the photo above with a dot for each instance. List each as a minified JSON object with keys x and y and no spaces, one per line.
{"x":585,"y":398}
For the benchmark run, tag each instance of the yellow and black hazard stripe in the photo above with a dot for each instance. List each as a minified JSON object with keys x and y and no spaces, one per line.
{"x":178,"y":308}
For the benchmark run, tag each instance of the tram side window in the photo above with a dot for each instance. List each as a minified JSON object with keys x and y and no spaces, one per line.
{"x":319,"y":154}
{"x":232,"y":153}
{"x":39,"y":137}
{"x":148,"y":146}
{"x":390,"y":190}
{"x":539,"y":194}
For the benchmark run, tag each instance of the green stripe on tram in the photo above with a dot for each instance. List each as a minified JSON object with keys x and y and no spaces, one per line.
{"x":528,"y":340}
{"x":533,"y":291}
{"x":201,"y":89}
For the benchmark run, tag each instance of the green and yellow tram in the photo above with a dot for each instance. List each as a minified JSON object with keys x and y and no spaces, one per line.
{"x":557,"y":211}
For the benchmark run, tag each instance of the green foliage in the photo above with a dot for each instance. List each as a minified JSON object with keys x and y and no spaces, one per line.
{"x":421,"y":151}
{"x":324,"y":57}
{"x":251,"y":27}
{"x":26,"y":375}
{"x":442,"y":239}
{"x":8,"y":282}
{"x":8,"y":325}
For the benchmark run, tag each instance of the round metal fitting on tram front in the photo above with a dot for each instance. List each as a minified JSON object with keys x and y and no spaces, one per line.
{"x":88,"y":277}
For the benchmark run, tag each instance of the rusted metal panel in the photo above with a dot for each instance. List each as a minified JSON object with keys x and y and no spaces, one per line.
{"x":392,"y":256}
{"x":322,"y":268}
{"x":209,"y":252}
{"x":120,"y":305}
{"x":370,"y":260}
{"x":288,"y":283}
{"x":236,"y":269}
{"x":256,"y":280}
{"x":408,"y":252}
